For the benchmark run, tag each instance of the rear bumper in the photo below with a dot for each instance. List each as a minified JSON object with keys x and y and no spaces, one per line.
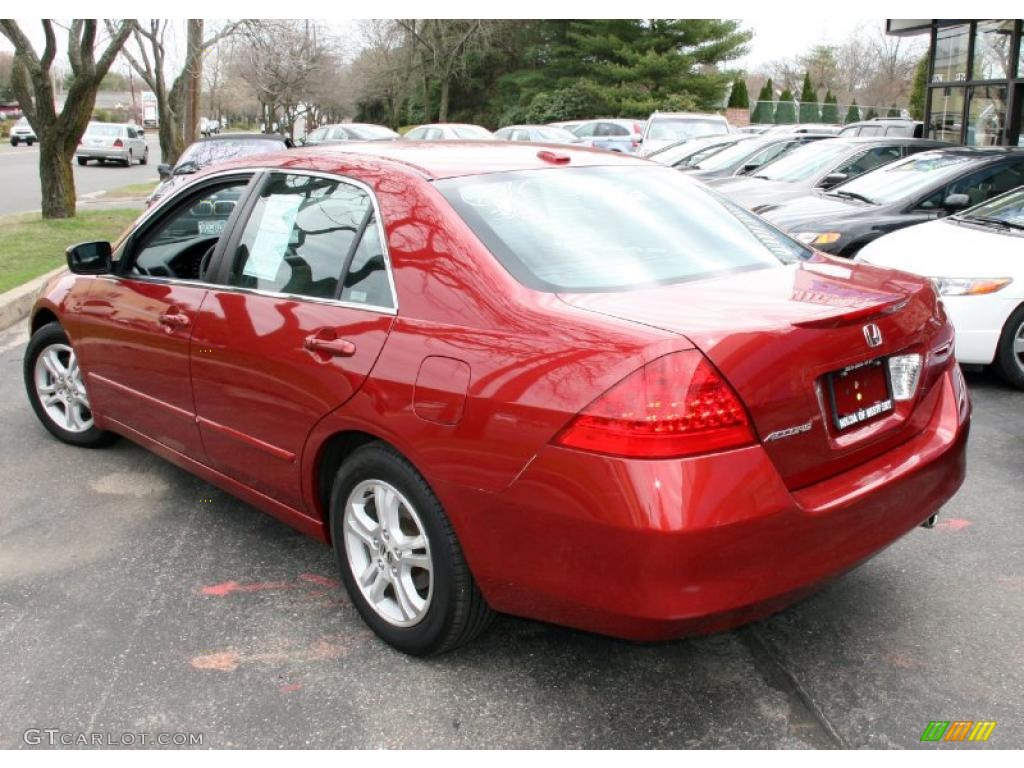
{"x":102,"y":153}
{"x":650,"y":550}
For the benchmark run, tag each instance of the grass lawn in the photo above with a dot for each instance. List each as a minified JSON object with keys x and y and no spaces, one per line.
{"x":129,"y":191}
{"x":33,"y":246}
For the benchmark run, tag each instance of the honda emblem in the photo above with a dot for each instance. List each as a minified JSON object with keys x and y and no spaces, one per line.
{"x":872,"y":335}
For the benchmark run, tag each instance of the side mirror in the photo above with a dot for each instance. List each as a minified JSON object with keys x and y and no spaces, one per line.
{"x":834,"y":178}
{"x":93,"y":258}
{"x":750,"y":167}
{"x":956,"y":202}
{"x":164,"y":170}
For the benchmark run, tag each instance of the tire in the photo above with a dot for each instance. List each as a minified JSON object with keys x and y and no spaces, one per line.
{"x":30,"y":141}
{"x":145,"y":157}
{"x":1009,"y":361}
{"x":82,"y":160}
{"x":51,"y":341}
{"x":443,"y":608}
{"x":14,"y":142}
{"x":130,"y":160}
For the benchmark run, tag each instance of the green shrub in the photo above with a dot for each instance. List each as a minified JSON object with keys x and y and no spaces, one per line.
{"x":785,"y":111}
{"x":809,"y":110}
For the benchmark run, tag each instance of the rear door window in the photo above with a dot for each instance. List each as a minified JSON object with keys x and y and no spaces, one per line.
{"x":299,"y":235}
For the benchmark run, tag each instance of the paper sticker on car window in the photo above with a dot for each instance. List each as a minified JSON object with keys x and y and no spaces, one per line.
{"x":272,"y":238}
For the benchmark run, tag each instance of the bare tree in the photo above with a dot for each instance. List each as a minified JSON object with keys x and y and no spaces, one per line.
{"x":443,"y":45}
{"x":148,"y":57}
{"x":32,"y":83}
{"x":870,"y":66}
{"x":287,"y":63}
{"x":383,"y":71}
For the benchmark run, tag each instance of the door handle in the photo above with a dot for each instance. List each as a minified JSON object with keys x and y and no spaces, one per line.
{"x":173,"y":319}
{"x":335,"y":347}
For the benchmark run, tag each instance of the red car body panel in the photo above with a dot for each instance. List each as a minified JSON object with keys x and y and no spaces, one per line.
{"x":475,"y":374}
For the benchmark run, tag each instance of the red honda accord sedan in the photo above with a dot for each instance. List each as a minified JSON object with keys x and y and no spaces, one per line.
{"x":562,"y":384}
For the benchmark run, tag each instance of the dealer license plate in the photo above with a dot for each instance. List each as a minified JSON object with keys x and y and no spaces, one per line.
{"x":859,"y":393}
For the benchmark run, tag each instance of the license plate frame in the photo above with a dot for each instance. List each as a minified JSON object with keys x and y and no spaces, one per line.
{"x":872,"y":374}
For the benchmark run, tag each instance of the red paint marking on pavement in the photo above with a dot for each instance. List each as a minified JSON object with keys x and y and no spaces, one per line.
{"x":953,"y":524}
{"x":227,"y":587}
{"x":226,"y":661}
{"x":323,"y":581}
{"x":290,"y":688}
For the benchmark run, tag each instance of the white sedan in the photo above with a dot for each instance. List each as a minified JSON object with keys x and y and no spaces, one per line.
{"x":976,"y":260}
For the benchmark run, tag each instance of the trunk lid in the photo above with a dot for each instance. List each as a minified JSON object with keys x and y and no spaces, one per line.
{"x":776,"y":333}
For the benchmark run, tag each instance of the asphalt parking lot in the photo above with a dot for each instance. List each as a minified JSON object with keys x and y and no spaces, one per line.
{"x":135,"y":598}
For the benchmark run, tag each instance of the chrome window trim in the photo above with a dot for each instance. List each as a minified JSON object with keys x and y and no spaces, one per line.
{"x":381,"y":234}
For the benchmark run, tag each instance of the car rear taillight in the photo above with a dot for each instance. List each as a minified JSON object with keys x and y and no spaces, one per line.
{"x":635,"y":143}
{"x":677,"y":405}
{"x":118,"y":143}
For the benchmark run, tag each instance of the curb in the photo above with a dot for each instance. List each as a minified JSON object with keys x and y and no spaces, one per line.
{"x":16,"y":303}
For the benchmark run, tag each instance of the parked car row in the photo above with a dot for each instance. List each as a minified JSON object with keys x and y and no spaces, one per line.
{"x":952,"y":214}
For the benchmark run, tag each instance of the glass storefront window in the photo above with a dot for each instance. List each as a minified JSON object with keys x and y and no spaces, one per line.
{"x":951,"y":45}
{"x":945,"y":121}
{"x":993,"y":49}
{"x":986,"y":117}
{"x":1020,"y":57}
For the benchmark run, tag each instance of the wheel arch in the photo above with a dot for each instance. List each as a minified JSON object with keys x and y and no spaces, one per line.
{"x":43,"y":316}
{"x":331,"y":454}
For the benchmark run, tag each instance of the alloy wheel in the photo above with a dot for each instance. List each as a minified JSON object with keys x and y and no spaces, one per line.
{"x":60,"y":389}
{"x":388,"y":552}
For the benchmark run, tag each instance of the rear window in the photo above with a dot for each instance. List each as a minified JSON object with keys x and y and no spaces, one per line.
{"x":612,"y":229}
{"x":104,"y":130}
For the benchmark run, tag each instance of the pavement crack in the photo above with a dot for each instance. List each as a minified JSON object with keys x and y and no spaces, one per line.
{"x":805,"y":714}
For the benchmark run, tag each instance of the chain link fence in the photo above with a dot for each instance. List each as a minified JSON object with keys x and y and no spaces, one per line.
{"x":790,"y":112}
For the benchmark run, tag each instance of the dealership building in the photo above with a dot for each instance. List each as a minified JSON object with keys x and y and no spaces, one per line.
{"x":975,"y":78}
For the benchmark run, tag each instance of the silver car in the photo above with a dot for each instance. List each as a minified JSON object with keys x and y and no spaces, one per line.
{"x":449,"y":132}
{"x":544,"y":134}
{"x":613,"y":134}
{"x":117,"y":142}
{"x":22,"y":132}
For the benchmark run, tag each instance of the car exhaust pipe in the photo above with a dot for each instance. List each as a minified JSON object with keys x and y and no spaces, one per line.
{"x":930,"y":522}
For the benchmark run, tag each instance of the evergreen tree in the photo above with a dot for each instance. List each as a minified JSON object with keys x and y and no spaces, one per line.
{"x":894,"y":111}
{"x":917,"y":89}
{"x":853,"y":113}
{"x":785,"y":112}
{"x":765,"y":108}
{"x":830,"y":109}
{"x":872,"y":114}
{"x":739,"y":98}
{"x":809,"y":110}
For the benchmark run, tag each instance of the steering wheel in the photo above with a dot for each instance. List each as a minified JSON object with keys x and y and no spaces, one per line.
{"x":204,"y":263}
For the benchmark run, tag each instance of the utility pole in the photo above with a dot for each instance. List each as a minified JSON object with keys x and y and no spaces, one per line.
{"x":193,"y":84}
